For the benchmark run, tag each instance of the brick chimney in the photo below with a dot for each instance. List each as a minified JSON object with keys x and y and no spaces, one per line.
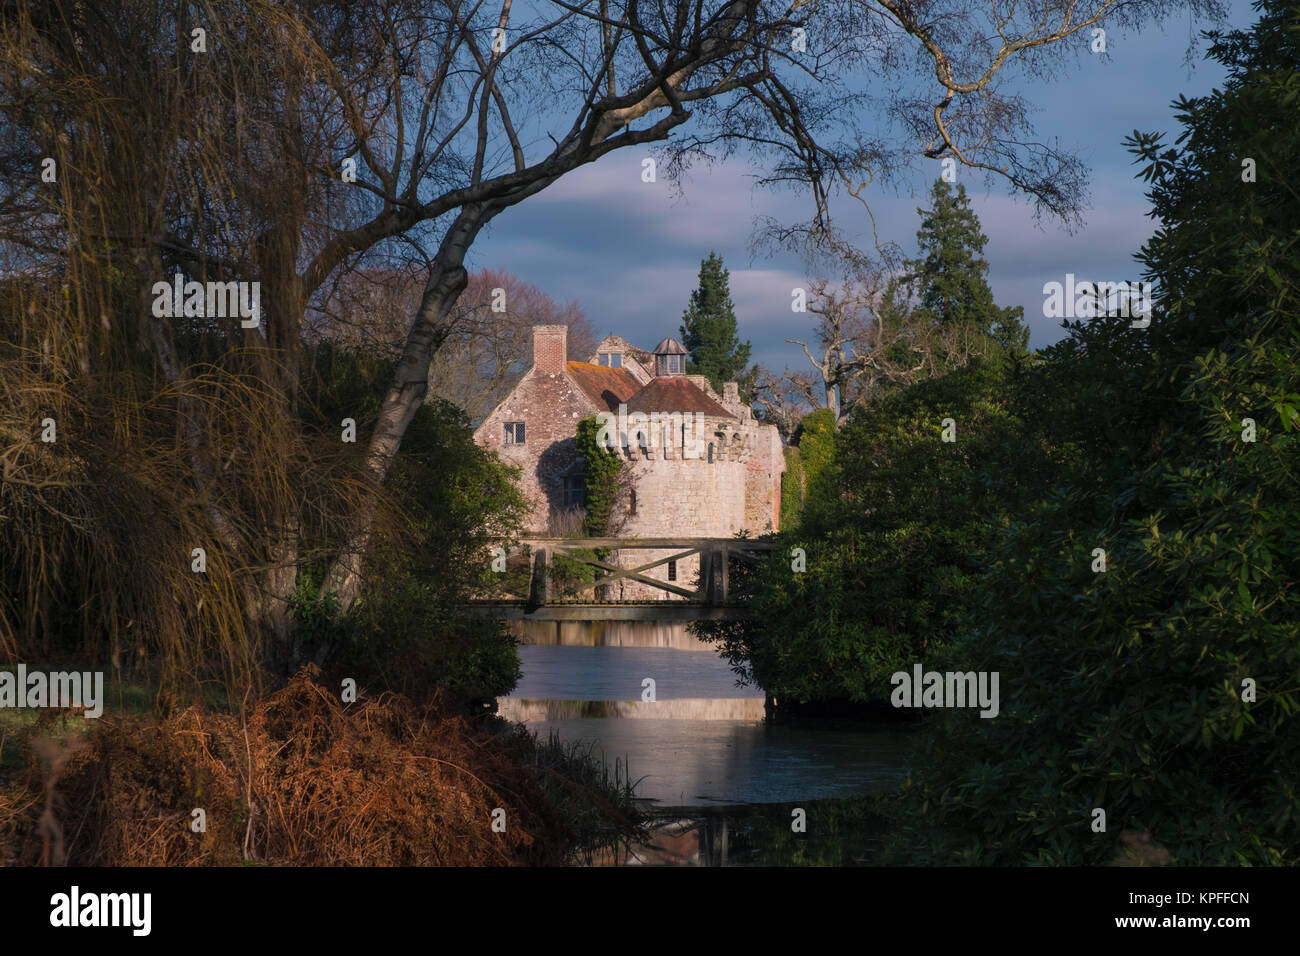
{"x":550,"y":348}
{"x":730,"y":393}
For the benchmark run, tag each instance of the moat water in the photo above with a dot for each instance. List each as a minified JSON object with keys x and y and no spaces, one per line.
{"x":700,"y":751}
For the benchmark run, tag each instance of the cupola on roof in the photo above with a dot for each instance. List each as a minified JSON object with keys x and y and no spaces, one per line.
{"x":670,"y":346}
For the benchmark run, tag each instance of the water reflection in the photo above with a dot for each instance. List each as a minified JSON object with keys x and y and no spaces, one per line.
{"x":702,"y":741}
{"x":554,"y":711}
{"x":693,"y":763}
{"x":618,"y":673}
{"x":608,"y":634}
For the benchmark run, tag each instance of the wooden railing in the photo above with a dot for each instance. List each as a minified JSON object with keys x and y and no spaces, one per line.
{"x":581,"y":599}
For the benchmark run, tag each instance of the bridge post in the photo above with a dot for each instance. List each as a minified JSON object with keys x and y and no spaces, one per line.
{"x":540,"y":591}
{"x":713,"y":572}
{"x":724,"y":560}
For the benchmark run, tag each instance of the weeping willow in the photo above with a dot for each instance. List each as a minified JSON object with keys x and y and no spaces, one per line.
{"x":158,"y":490}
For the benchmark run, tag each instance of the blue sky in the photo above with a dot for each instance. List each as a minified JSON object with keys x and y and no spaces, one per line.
{"x":629,"y":252}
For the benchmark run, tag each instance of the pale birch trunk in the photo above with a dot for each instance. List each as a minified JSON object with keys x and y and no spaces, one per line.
{"x":447,"y":279}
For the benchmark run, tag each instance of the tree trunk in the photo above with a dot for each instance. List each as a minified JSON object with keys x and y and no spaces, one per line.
{"x":447,"y":279}
{"x":283,"y":319}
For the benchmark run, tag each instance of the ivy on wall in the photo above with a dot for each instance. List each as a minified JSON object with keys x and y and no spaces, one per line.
{"x":792,"y":489}
{"x":604,"y":468}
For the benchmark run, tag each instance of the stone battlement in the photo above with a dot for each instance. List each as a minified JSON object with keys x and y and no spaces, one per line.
{"x":676,"y":436}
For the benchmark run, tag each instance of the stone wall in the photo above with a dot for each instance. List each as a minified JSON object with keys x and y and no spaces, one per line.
{"x":763,"y":481}
{"x":683,"y":497}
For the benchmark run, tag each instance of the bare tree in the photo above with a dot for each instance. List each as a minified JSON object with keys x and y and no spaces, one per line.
{"x":488,"y":348}
{"x":871,"y":337}
{"x":783,"y":400}
{"x":491,"y":347}
{"x":846,"y":320}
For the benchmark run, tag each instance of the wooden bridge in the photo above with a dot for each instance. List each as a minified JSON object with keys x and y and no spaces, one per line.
{"x":553,"y":596}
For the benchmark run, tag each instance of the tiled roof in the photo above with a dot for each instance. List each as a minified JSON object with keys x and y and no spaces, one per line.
{"x":607,"y":387}
{"x":674,"y":394}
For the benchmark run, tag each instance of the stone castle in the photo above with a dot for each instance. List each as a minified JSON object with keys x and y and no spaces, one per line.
{"x":696,"y":464}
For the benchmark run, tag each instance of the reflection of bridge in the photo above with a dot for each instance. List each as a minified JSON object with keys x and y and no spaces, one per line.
{"x":551,"y":597}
